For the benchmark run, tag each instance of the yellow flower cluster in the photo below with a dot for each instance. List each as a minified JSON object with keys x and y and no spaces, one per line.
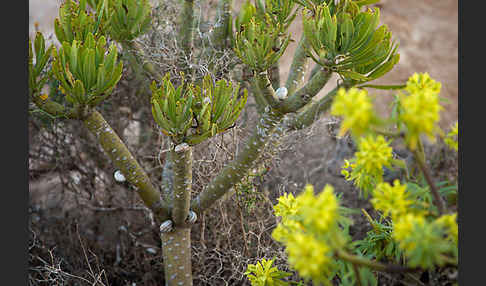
{"x":309,"y":231}
{"x":391,"y":200}
{"x":451,"y":138}
{"x":419,"y":237}
{"x":422,"y":82}
{"x":373,"y":154}
{"x":356,"y":108}
{"x":367,"y":166}
{"x":319,"y":212}
{"x":423,"y":241}
{"x":310,"y":257}
{"x":285,"y":229}
{"x":449,"y":222}
{"x":404,"y":226}
{"x":286,"y":205}
{"x":360,"y":178}
{"x":420,"y":108}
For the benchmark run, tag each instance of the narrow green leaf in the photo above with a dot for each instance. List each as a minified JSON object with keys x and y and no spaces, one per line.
{"x":384,"y":87}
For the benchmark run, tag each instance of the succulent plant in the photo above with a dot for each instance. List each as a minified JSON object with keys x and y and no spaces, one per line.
{"x":255,"y":43}
{"x":76,"y":22}
{"x":212,"y":107}
{"x":87,"y":74}
{"x":37,"y":76}
{"x":349,"y":42}
{"x":129,"y":19}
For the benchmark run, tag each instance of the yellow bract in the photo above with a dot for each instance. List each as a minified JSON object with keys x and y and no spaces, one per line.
{"x":309,"y":256}
{"x":403,"y":227}
{"x":356,"y":108}
{"x":422,"y":83}
{"x":309,"y":231}
{"x":285,"y":229}
{"x":373,"y":153}
{"x":391,"y":200}
{"x":318,"y":212}
{"x":420,"y":108}
{"x":450,"y":223}
{"x":286,"y":205}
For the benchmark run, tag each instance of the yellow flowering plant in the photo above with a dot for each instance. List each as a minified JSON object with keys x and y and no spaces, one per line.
{"x":311,"y":231}
{"x":374,"y":153}
{"x":451,"y":138}
{"x":264,"y":274}
{"x":412,"y":230}
{"x":356,"y":108}
{"x":420,"y":108}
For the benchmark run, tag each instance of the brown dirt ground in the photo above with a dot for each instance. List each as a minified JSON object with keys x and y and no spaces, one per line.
{"x":428,"y":35}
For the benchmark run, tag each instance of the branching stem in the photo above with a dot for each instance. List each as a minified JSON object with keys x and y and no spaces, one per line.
{"x":182,"y":167}
{"x":239,"y":167}
{"x":298,"y":67}
{"x":126,"y":163}
{"x":305,"y":94}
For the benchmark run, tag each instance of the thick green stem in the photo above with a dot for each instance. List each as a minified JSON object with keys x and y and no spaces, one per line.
{"x":187,"y":29}
{"x":185,"y":34}
{"x":265,"y":87}
{"x":310,"y":113}
{"x":304,"y":95}
{"x":239,"y":167}
{"x":176,"y":251}
{"x":298,"y":67}
{"x":314,"y":110}
{"x":182,"y":159}
{"x":168,"y":179}
{"x":53,"y":108}
{"x":274,"y":73}
{"x":123,"y":160}
{"x":261,"y":103}
{"x":274,"y":70}
{"x":221,"y":34}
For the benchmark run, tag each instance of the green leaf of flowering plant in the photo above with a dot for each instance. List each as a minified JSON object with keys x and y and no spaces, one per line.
{"x":281,"y":12}
{"x":348,"y":6}
{"x":37,"y":61}
{"x":76,"y":22}
{"x":258,"y":44}
{"x":349,"y":41}
{"x":171,"y":108}
{"x":216,"y":108}
{"x":129,"y":19}
{"x":247,"y":11}
{"x":361,"y":3}
{"x":87,"y":67}
{"x":383,"y":87}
